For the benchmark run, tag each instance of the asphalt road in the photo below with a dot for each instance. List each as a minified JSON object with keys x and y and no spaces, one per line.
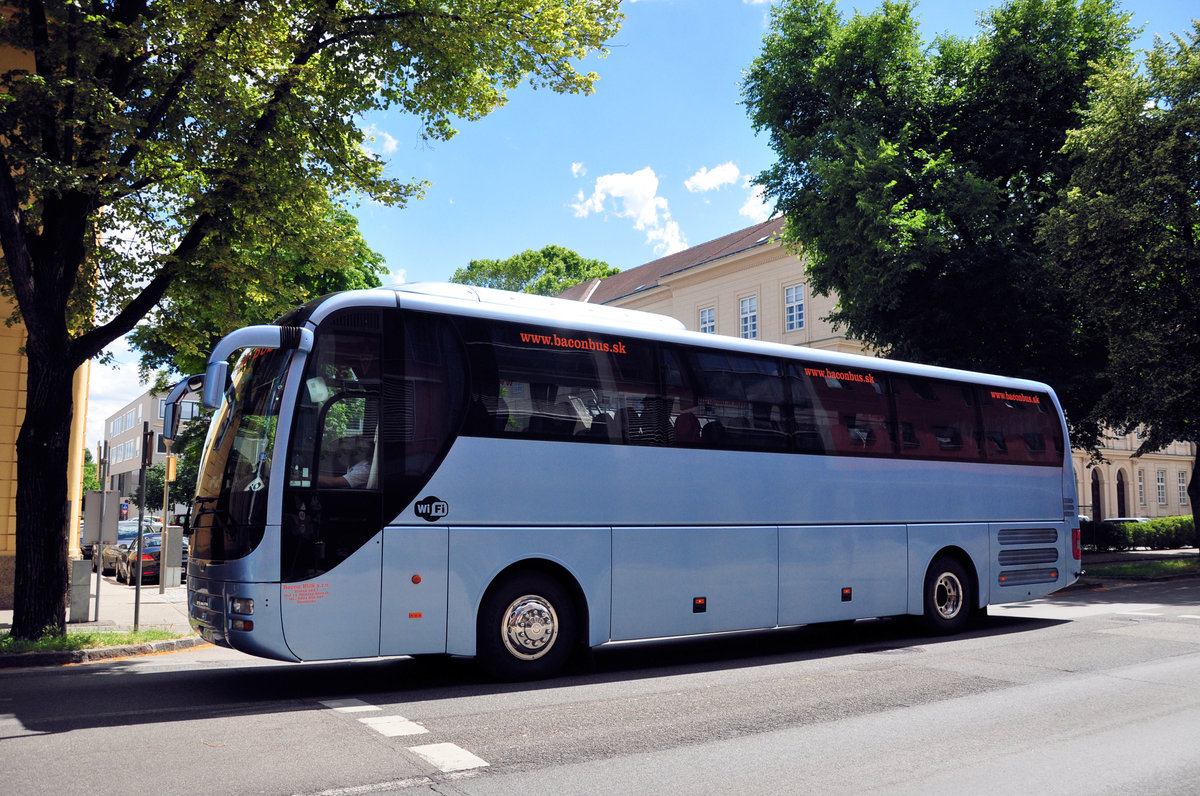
{"x":1086,"y":692}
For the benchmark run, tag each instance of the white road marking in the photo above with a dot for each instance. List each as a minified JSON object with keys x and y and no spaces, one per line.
{"x":393,"y":726}
{"x":348,"y":705}
{"x":448,"y":757}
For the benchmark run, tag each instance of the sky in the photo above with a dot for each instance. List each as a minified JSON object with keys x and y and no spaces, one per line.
{"x":657,"y":159}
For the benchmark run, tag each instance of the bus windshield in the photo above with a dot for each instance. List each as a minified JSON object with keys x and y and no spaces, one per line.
{"x":231,"y":490}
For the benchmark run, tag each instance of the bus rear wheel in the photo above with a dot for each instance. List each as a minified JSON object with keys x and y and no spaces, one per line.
{"x":948,"y":597}
{"x":526,"y":628}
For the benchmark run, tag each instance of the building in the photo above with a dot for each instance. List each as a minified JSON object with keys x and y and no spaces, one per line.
{"x":13,"y":372}
{"x":123,"y":435}
{"x":746,"y":284}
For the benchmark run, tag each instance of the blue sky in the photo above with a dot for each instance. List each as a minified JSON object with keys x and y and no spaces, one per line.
{"x":655,"y":160}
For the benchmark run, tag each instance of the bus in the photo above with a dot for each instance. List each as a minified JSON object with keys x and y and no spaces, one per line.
{"x":442,"y":469}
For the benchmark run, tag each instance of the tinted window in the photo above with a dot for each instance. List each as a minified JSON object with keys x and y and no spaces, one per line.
{"x":735,"y":401}
{"x":936,"y":419}
{"x":1020,"y":427}
{"x":845,"y":409}
{"x":560,"y":385}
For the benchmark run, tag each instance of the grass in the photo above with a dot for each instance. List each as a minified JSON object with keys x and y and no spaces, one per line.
{"x":1147,"y":569}
{"x":80,"y":641}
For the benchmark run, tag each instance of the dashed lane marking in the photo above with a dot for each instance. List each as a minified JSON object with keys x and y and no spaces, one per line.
{"x":348,"y":705}
{"x":448,"y":757}
{"x":393,"y":726}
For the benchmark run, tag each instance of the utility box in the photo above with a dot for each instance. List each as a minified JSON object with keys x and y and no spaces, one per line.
{"x":172,"y":553}
{"x":81,"y":591}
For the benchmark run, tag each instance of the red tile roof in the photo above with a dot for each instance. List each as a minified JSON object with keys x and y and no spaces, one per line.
{"x":635,"y":280}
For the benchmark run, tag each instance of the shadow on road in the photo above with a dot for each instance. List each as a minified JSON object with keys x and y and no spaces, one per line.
{"x":124,"y":693}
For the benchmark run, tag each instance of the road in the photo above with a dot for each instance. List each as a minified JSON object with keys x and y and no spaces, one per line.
{"x":1085,"y":692}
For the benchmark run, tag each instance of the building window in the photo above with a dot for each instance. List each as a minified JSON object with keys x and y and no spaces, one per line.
{"x":1141,"y":487}
{"x":1183,"y":479}
{"x":1162,"y":487}
{"x":708,"y":320}
{"x":749,"y":318}
{"x":793,"y":308}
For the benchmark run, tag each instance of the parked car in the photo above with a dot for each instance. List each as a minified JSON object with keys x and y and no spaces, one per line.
{"x":111,"y":552}
{"x":1125,"y":520}
{"x":151,"y":558}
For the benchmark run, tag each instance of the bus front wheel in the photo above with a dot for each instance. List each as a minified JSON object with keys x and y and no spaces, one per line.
{"x":526,"y":628}
{"x":948,"y":597}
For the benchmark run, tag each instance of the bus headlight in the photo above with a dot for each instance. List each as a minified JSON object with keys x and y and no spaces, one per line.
{"x":241,"y":605}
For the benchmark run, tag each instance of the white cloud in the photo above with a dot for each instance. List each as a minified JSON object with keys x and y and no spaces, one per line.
{"x":635,"y":196}
{"x":719,"y":176}
{"x":110,"y":387}
{"x":756,"y":207}
{"x":379,"y":142}
{"x":578,"y":170}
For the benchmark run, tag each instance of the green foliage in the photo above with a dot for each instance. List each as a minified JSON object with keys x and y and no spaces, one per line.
{"x":913,"y":175}
{"x":326,"y":256}
{"x":91,"y":480}
{"x":1128,"y":238}
{"x":1163,"y":533}
{"x":155,"y":477}
{"x":179,"y":152}
{"x":547,"y":272}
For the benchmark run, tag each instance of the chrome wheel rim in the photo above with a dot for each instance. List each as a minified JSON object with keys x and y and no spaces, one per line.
{"x":948,"y":595}
{"x":529,"y":627}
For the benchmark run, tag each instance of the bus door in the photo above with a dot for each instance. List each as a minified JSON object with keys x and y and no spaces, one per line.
{"x":331,"y":538}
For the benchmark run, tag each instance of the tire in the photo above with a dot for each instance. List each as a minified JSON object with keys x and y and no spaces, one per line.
{"x":526,"y":628}
{"x":948,"y":597}
{"x":119,"y":573}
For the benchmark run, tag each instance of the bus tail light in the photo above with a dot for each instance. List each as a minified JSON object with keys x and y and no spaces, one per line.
{"x":1076,"y":550}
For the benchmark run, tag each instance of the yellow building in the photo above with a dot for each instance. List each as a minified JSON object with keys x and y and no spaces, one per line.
{"x":12,"y":413}
{"x":747,"y":284}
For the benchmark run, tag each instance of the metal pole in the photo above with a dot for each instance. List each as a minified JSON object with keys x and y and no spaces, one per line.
{"x":162,"y":547}
{"x":137,"y":595}
{"x":98,"y":545}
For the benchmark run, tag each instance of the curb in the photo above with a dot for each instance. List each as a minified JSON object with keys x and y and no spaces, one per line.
{"x":62,"y":658}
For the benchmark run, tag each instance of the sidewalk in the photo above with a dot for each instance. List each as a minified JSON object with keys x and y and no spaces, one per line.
{"x":166,"y":611}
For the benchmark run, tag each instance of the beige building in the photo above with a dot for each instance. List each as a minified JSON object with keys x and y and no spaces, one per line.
{"x":746,"y":284}
{"x":123,"y":434}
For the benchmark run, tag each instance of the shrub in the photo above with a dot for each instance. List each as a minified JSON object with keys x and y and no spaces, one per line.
{"x":1164,"y":533}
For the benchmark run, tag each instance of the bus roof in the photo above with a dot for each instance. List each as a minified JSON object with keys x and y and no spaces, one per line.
{"x":496,"y":304}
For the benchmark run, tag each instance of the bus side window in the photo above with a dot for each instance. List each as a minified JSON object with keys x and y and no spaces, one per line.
{"x":740,"y":399}
{"x":1020,"y":428}
{"x":849,"y":409}
{"x":936,"y":419}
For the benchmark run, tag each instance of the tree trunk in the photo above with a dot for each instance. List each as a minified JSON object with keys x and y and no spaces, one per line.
{"x":43,"y":449}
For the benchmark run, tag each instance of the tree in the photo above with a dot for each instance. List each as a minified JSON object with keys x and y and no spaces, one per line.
{"x":142,"y":141}
{"x":1127,"y":238}
{"x":547,"y":272}
{"x":913,"y":176}
{"x":326,"y":255}
{"x":91,"y":479}
{"x":155,"y":478}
